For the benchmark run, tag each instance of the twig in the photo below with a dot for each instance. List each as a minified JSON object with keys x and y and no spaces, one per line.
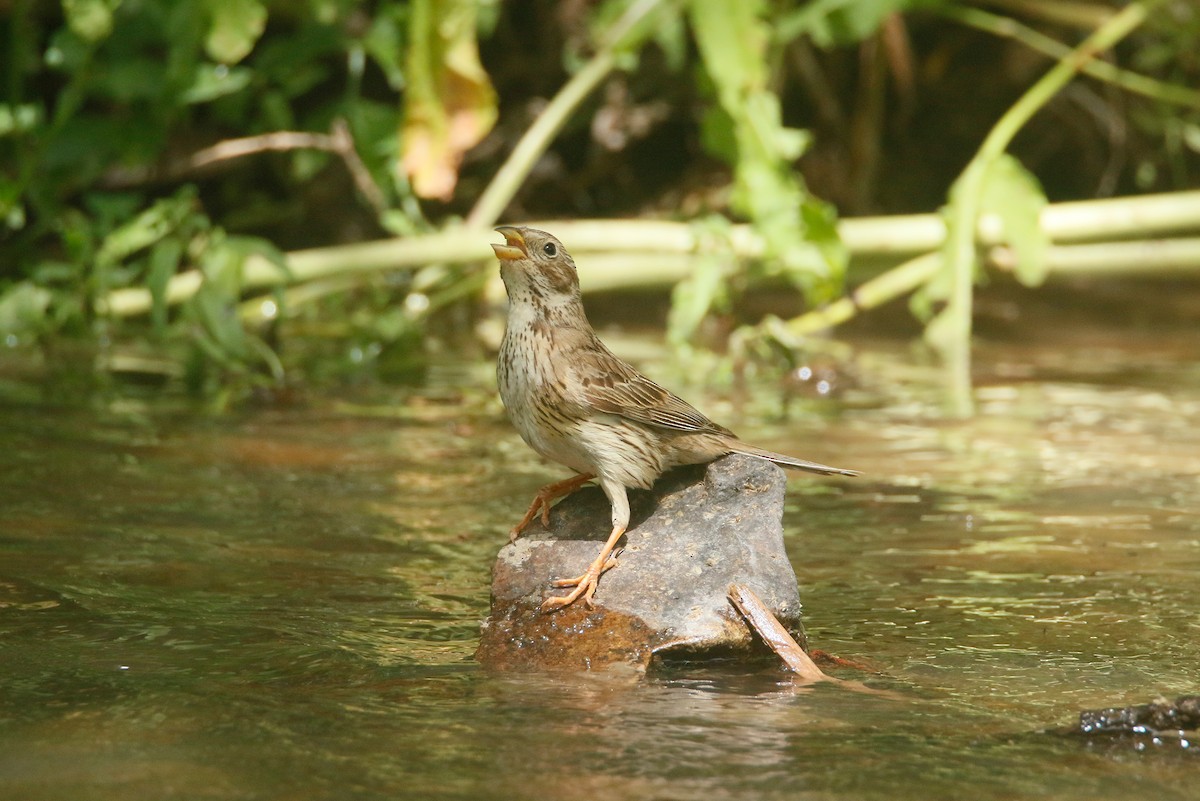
{"x":450,"y":245}
{"x":1085,"y":15}
{"x":1140,"y":257}
{"x":902,"y":234}
{"x":772,"y":632}
{"x":249,"y":145}
{"x":338,"y":141}
{"x":343,"y":144}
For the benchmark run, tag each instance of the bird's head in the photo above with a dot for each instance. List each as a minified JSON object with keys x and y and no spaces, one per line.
{"x":536,"y":268}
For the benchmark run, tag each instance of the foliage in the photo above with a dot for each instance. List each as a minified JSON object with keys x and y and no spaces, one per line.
{"x":98,"y":191}
{"x":993,"y":177}
{"x":745,"y":128}
{"x":178,"y":147}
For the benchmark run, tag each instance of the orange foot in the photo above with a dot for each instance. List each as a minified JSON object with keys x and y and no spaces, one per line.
{"x":585,"y":585}
{"x":546,"y":496}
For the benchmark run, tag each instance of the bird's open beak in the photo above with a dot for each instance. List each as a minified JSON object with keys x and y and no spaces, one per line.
{"x":513,"y":247}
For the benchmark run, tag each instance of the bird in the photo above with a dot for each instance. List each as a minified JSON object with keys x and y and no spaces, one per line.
{"x":575,"y":402}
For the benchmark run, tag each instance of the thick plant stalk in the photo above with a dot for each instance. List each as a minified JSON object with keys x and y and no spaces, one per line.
{"x":1146,"y":257}
{"x":310,"y":265}
{"x":664,"y":248}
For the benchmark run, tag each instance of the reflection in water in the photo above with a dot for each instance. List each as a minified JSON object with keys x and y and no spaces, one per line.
{"x":285,"y":605}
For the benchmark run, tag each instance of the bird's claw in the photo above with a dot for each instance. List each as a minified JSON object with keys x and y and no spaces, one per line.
{"x":585,"y":587}
{"x":544,"y":498}
{"x":539,"y":504}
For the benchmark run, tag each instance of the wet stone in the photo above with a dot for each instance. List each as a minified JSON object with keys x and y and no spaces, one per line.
{"x":1161,"y":723}
{"x":699,"y":530}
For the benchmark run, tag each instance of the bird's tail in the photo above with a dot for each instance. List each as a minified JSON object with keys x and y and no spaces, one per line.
{"x":789,"y":461}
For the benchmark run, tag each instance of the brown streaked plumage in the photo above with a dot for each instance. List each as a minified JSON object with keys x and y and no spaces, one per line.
{"x":575,"y":402}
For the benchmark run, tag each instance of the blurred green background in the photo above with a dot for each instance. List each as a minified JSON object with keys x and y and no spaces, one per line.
{"x":186,"y":185}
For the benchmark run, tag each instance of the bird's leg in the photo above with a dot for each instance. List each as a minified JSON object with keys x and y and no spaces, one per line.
{"x":585,"y":585}
{"x":545,"y":496}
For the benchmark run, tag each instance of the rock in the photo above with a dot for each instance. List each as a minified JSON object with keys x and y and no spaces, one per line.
{"x":1161,"y":723}
{"x":698,"y":531}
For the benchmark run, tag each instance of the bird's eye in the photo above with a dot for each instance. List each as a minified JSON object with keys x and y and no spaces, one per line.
{"x":550,"y":250}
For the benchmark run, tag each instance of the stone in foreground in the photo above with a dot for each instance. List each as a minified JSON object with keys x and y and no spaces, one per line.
{"x":698,"y":531}
{"x":1161,"y":724}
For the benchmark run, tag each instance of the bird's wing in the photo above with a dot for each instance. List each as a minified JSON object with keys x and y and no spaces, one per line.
{"x":607,"y":384}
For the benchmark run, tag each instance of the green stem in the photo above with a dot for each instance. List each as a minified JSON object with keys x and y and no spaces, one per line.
{"x":625,"y":34}
{"x":1083,"y":15}
{"x":879,"y":290}
{"x":1105,"y":38}
{"x":950,"y":331}
{"x":1101,"y":70}
{"x":1143,"y":258}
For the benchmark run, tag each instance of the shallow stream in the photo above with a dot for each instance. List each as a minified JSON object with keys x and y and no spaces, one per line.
{"x":283,"y":603}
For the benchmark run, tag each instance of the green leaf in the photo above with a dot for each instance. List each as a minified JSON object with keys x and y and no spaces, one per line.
{"x":215,"y":80}
{"x":90,"y":20}
{"x":12,"y":211}
{"x":12,"y":215}
{"x":19,"y":119}
{"x":732,"y":38}
{"x":164,"y":262}
{"x":23,"y":309}
{"x":695,"y":296}
{"x":301,"y":61}
{"x":243,"y":247}
{"x":837,"y":23}
{"x":131,"y":79}
{"x":671,"y":37}
{"x":384,"y":42}
{"x":217,"y":331}
{"x":235,"y":28}
{"x":215,"y":303}
{"x":1015,"y":196}
{"x":941,"y":332}
{"x":717,"y":134}
{"x":762,"y":113}
{"x":149,"y":227}
{"x":749,"y":133}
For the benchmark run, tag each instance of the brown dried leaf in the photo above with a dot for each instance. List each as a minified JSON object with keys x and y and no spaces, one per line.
{"x":450,"y":104}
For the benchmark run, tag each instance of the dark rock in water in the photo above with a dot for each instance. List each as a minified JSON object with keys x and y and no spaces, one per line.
{"x":1161,"y":723}
{"x":698,"y":531}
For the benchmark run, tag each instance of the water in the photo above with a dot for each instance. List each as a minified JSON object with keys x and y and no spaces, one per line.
{"x":284,"y":603}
